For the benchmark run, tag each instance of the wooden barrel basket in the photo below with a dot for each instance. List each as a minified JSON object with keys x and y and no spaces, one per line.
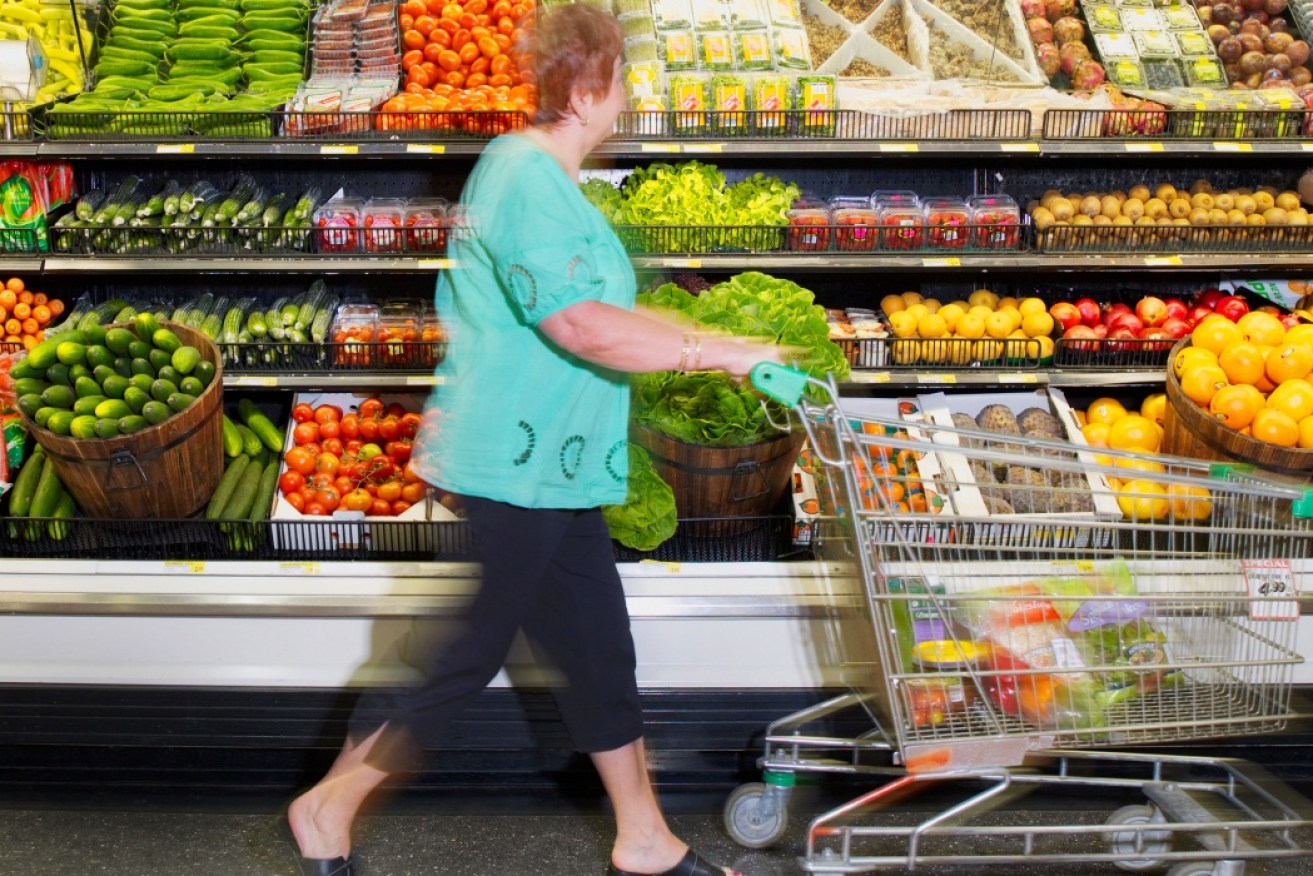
{"x":1189,"y":430}
{"x":711,"y":482}
{"x":165,"y":471}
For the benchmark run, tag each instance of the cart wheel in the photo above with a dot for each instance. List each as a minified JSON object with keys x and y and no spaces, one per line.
{"x":1151,"y":842}
{"x":1192,"y":868}
{"x":747,"y":824}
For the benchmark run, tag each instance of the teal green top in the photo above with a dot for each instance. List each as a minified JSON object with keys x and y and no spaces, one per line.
{"x":514,"y":417}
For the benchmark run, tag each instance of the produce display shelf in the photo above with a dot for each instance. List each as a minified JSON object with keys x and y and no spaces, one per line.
{"x":1002,"y":261}
{"x":1176,"y":124}
{"x":819,"y":125}
{"x":1219,"y":239}
{"x":331,"y":380}
{"x":353,"y":356}
{"x":310,"y":263}
{"x":989,"y":377}
{"x":1117,"y":354}
{"x":189,"y":240}
{"x":946,"y":354}
{"x":721,"y":540}
{"x":843,"y":239}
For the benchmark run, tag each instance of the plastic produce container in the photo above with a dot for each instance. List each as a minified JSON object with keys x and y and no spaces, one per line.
{"x":904,"y":225}
{"x":948,"y":223}
{"x":809,"y":229}
{"x":337,"y":225}
{"x":859,"y":228}
{"x":354,"y":332}
{"x":383,"y":220}
{"x":425,"y":222}
{"x":996,"y":220}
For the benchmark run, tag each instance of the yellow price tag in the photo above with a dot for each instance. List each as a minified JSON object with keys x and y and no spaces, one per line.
{"x":658,"y":147}
{"x":950,"y":262}
{"x":1144,"y":147}
{"x":271,"y":380}
{"x":175,"y":148}
{"x":900,"y":147}
{"x":1233,"y":147}
{"x":704,"y":147}
{"x":421,"y":380}
{"x":196,"y":567}
{"x":1085,"y":565}
{"x":435,"y":264}
{"x":1307,"y":147}
{"x":339,"y":149}
{"x":1018,"y":378}
{"x":1164,"y":261}
{"x":1019,"y":147}
{"x":936,"y":378}
{"x":670,"y":566}
{"x":305,"y":568}
{"x":869,"y":376}
{"x":426,"y":148}
{"x":692,"y":264}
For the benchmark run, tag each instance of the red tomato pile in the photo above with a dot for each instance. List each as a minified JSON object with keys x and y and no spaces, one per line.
{"x":459,"y":57}
{"x":359,"y":461}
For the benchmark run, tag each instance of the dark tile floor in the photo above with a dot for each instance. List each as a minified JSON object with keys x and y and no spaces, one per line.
{"x":179,"y":840}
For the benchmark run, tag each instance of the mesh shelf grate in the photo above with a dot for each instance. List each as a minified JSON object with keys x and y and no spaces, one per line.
{"x":815,"y":125}
{"x":278,"y":356}
{"x":1162,"y":124}
{"x":1118,"y":354}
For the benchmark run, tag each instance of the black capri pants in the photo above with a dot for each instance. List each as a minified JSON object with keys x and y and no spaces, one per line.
{"x":552,"y":573}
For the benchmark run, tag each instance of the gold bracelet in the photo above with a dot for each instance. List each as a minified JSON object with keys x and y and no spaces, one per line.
{"x":697,"y":353}
{"x":683,"y":355}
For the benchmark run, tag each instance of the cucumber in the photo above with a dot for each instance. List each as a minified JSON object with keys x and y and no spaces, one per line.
{"x":209,"y":14}
{"x":48,"y":489}
{"x":251,"y":444}
{"x":238,"y":506}
{"x":232,"y":204}
{"x":202,"y":29}
{"x":314,"y":295}
{"x":274,"y":41}
{"x":264,"y":494}
{"x":126,"y":40}
{"x":227,"y":485}
{"x":209,"y":4}
{"x":323,"y":319}
{"x":261,"y":425}
{"x":273,"y":321}
{"x":199,"y":193}
{"x":20,"y":500}
{"x":115,"y":67}
{"x":192,"y":49}
{"x":64,"y":510}
{"x":232,"y":439}
{"x":254,"y":206}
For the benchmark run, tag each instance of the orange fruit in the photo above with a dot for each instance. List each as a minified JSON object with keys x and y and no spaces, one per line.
{"x":15,"y":284}
{"x":8,"y":299}
{"x":1289,"y":362}
{"x":21,"y":310}
{"x":1105,"y":410}
{"x":1154,"y":406}
{"x":1192,"y":356}
{"x":56,"y":306}
{"x":1143,"y":500}
{"x":1306,"y":433}
{"x":1096,"y":434}
{"x":1261,"y":328}
{"x":1275,"y":427}
{"x":932,"y":325}
{"x":1294,"y":398}
{"x":1187,"y":502}
{"x":1215,"y":333}
{"x":26,"y":296}
{"x":1134,"y":430}
{"x":1235,"y":406}
{"x":1201,"y":383}
{"x":1242,"y":362}
{"x":1139,"y":462}
{"x":1037,"y":324}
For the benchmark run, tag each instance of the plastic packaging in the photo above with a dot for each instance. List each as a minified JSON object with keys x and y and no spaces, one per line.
{"x":752,"y":48}
{"x":790,"y":47}
{"x":644,"y":78}
{"x":747,"y":14}
{"x":383,"y":220}
{"x":859,"y":229}
{"x":637,"y":25}
{"x":904,"y":225}
{"x":710,"y":15}
{"x":1116,"y":47}
{"x":677,"y":50}
{"x":1194,"y":44}
{"x":354,"y":331}
{"x":809,"y":229}
{"x":689,"y":98}
{"x":947,"y":222}
{"x":338,"y":225}
{"x":715,"y":50}
{"x":729,"y":99}
{"x":399,"y":334}
{"x":996,"y":221}
{"x":643,"y":49}
{"x":816,"y":95}
{"x":672,"y":14}
{"x":426,"y":225}
{"x":1153,"y":44}
{"x":771,"y":92}
{"x":784,"y":13}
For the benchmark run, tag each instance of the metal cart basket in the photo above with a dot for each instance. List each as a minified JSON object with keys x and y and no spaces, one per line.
{"x":1045,"y":643}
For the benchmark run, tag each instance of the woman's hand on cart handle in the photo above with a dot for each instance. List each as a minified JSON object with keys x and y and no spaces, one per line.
{"x":779,"y":382}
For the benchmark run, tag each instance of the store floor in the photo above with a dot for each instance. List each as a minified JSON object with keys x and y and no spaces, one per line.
{"x":218,"y":838}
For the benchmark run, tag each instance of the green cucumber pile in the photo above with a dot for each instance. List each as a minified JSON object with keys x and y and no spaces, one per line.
{"x":299,"y":319}
{"x":39,"y":493}
{"x":134,"y":218}
{"x":252,"y":448}
{"x":104,"y":382}
{"x":210,"y":67}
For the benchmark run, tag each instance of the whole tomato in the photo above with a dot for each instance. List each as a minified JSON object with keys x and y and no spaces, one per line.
{"x":290,"y":481}
{"x":327,"y":413}
{"x":328,"y":463}
{"x":368,"y":430}
{"x":303,"y":413}
{"x":357,"y":500}
{"x":300,"y":460}
{"x":408,"y":427}
{"x":319,"y":480}
{"x":296,"y":500}
{"x":390,"y":491}
{"x":388,"y":428}
{"x":329,"y":429}
{"x":396,"y":409}
{"x":349,"y":428}
{"x":305,"y":433}
{"x":358,"y":471}
{"x":370,"y":408}
{"x":333,"y":446}
{"x":352,"y":446}
{"x":412,"y":493}
{"x":315,"y":509}
{"x":344,"y":484}
{"x":381,"y":468}
{"x":401,"y":506}
{"x":399,"y":451}
{"x":409,"y":475}
{"x":379,"y":508}
{"x":328,"y":496}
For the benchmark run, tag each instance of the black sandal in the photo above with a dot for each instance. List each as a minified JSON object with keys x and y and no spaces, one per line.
{"x":692,"y":864}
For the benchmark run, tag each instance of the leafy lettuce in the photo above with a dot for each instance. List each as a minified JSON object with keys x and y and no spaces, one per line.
{"x":647,"y":518}
{"x":711,"y":408}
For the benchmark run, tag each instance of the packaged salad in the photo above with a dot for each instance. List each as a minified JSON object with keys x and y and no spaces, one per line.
{"x":710,"y":15}
{"x":677,"y":49}
{"x":747,"y":14}
{"x":771,"y":92}
{"x":729,"y":98}
{"x":715,"y":51}
{"x":816,"y":97}
{"x":753,"y":50}
{"x":790,"y":45}
{"x":786,"y":13}
{"x":644,"y":78}
{"x":689,"y":100}
{"x":672,"y":14}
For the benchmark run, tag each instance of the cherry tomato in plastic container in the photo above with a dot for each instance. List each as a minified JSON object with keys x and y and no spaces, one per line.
{"x":947,"y":223}
{"x":996,"y":220}
{"x":426,"y":226}
{"x":382,"y":220}
{"x":857,"y":229}
{"x":337,"y":225}
{"x":809,"y":229}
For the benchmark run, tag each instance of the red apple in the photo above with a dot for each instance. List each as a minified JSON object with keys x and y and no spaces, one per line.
{"x":1151,"y":309}
{"x":1209,"y":298}
{"x":1118,"y":336}
{"x":1083,"y":337}
{"x":1198,"y":314}
{"x":1232,"y":307}
{"x":1101,"y":331}
{"x":1065,"y":314}
{"x":1176,"y":328}
{"x":1115,"y":310}
{"x":1176,"y":308}
{"x":1126,"y":320}
{"x":1089,"y":310}
{"x":1162,"y":340}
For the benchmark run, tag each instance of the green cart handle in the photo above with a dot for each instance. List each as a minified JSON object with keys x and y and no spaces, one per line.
{"x":779,"y":382}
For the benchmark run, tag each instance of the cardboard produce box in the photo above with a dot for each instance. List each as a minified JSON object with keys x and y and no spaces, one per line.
{"x":983,"y":485}
{"x":352,"y":529}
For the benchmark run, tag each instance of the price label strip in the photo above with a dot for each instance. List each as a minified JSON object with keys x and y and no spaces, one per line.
{"x":1273,"y":594}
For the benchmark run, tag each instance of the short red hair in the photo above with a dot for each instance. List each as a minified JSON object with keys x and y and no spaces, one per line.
{"x":573,"y":47}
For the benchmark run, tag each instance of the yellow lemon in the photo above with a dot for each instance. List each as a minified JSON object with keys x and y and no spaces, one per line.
{"x":986,"y":351}
{"x":971,"y":326}
{"x":1096,"y":434}
{"x":1045,"y":346}
{"x":998,"y":324}
{"x":1105,"y":410}
{"x":1036,"y":324}
{"x":1145,"y":500}
{"x":931,"y":326}
{"x":1027,"y":306}
{"x":903,"y":324}
{"x":1134,"y":430}
{"x":1154,"y":407}
{"x":950,"y":313}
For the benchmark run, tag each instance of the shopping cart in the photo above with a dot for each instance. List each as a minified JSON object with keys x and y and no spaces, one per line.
{"x":1002,"y":653}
